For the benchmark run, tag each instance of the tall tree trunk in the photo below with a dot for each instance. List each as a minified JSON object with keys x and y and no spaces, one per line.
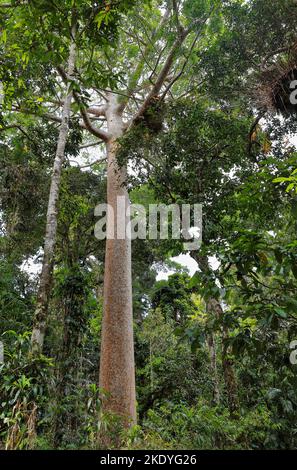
{"x":214,"y":307}
{"x":213,"y":365}
{"x":229,"y":375}
{"x":72,"y":304}
{"x":117,"y":375}
{"x":227,"y":362}
{"x":41,"y":311}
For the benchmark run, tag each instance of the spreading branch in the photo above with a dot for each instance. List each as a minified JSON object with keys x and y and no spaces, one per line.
{"x":101,"y":134}
{"x":161,"y":77}
{"x":134,"y":79}
{"x":170,"y":85}
{"x":155,"y":90}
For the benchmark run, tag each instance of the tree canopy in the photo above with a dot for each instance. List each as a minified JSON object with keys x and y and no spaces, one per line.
{"x":117,"y":344}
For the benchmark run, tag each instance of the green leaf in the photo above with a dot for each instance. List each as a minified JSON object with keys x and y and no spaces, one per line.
{"x":280,"y":312}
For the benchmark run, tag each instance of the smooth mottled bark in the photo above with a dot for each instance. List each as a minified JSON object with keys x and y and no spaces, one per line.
{"x":41,"y":310}
{"x":117,"y":375}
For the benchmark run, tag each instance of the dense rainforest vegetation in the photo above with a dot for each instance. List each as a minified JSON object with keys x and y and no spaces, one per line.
{"x":155,"y":102}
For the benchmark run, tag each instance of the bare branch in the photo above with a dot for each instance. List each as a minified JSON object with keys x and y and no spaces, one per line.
{"x":168,"y":64}
{"x":97,"y":111}
{"x":87,"y":122}
{"x":161,"y":77}
{"x":170,"y":85}
{"x":133,"y":82}
{"x":89,"y":165}
{"x":157,"y":62}
{"x":90,"y":144}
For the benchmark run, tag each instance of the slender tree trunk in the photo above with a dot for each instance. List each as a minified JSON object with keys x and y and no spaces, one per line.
{"x":227,"y":362}
{"x":68,"y":376}
{"x":41,"y":311}
{"x":229,"y":376}
{"x":117,"y":375}
{"x":213,"y":365}
{"x":213,"y":306}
